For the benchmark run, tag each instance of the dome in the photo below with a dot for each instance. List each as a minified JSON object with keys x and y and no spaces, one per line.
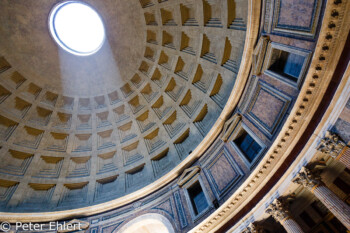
{"x":129,"y":113}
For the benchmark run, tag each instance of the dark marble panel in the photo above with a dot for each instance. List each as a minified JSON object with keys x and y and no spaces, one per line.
{"x":267,"y":108}
{"x":223,"y":173}
{"x":296,"y":13}
{"x":296,"y":17}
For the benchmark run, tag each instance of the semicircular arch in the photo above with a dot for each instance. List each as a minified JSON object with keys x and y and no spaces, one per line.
{"x":155,"y":223}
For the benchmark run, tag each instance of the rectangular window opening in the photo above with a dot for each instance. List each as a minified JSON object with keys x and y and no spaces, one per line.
{"x":249,"y":147}
{"x":197,"y":197}
{"x":288,"y":65}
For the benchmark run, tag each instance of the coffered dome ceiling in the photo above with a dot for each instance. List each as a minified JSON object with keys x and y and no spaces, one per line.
{"x":28,"y":46}
{"x":113,"y":122}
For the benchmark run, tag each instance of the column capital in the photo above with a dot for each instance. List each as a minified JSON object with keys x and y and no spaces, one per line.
{"x":278,"y":209}
{"x":253,"y":228}
{"x":308,"y":178}
{"x":331,"y":144}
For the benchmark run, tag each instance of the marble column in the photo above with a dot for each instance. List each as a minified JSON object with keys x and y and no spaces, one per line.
{"x":278,"y":209}
{"x":333,"y":146}
{"x":344,"y":157}
{"x":312,"y":181}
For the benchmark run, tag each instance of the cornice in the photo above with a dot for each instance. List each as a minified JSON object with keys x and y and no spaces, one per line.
{"x":310,"y":151}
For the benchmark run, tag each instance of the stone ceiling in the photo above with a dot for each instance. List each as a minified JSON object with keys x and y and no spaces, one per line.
{"x":97,"y":128}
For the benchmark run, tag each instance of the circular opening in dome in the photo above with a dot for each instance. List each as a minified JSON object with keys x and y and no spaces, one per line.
{"x":77,"y":28}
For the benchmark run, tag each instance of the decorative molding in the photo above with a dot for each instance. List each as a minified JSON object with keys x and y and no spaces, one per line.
{"x":310,"y":154}
{"x":165,"y":206}
{"x":230,"y":125}
{"x":180,"y":209}
{"x":259,"y":55}
{"x":188,"y":174}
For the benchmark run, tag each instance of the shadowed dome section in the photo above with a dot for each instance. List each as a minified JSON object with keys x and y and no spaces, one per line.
{"x":83,"y":130}
{"x":77,"y":28}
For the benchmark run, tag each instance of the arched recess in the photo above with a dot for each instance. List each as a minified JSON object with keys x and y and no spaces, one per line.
{"x":146,"y":223}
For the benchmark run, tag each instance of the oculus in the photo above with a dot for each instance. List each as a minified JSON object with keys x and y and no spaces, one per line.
{"x":77,"y":28}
